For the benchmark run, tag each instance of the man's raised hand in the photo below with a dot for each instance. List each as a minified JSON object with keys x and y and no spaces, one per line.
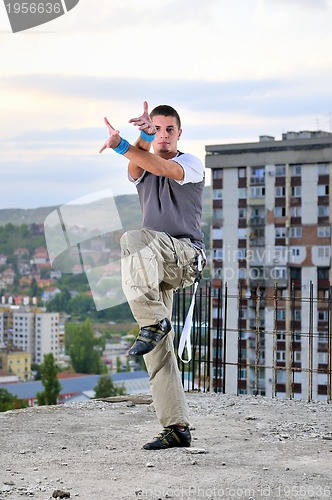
{"x":144,"y":121}
{"x":114,"y":139}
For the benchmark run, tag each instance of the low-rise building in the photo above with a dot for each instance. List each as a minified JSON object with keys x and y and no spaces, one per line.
{"x":136,"y":382}
{"x":16,"y":362}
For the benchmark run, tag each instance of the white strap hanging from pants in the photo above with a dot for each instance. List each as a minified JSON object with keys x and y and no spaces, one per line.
{"x":185,"y":341}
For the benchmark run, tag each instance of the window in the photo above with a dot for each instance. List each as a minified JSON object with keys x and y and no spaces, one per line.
{"x":258,"y":233}
{"x":322,"y":337}
{"x":280,"y":211}
{"x":217,"y":194}
{"x":296,"y":170}
{"x":242,"y":213}
{"x":323,"y":231}
{"x":242,"y":274}
{"x":242,"y":171}
{"x":297,"y":356}
{"x":296,"y":191}
{"x":323,"y":316}
{"x":218,"y":213}
{"x":324,"y":252}
{"x":295,"y":232}
{"x":257,"y":216}
{"x":295,"y":251}
{"x":297,"y":314}
{"x":322,"y":358}
{"x":323,"y":294}
{"x":280,"y":191}
{"x":295,"y":211}
{"x":257,"y":175}
{"x":281,"y":356}
{"x":217,"y":233}
{"x":218,"y":275}
{"x":323,"y":273}
{"x":257,"y":192}
{"x":295,"y":273}
{"x":256,"y":272}
{"x":241,"y":252}
{"x":280,"y":232}
{"x":323,"y":189}
{"x":243,"y":313}
{"x":218,"y":254}
{"x":281,"y":314}
{"x":217,"y":373}
{"x":258,"y":171}
{"x":280,"y":170}
{"x":217,"y":174}
{"x":323,"y":168}
{"x":279,"y":273}
{"x":323,"y":211}
{"x":242,"y":193}
{"x":297,"y":335}
{"x":242,"y":233}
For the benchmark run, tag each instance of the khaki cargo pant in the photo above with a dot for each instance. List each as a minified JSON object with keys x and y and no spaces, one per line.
{"x":153,"y":265}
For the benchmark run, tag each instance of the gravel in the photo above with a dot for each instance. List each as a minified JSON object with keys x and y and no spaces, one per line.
{"x":243,"y":447}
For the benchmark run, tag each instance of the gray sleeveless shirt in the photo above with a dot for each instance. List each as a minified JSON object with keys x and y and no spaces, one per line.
{"x":171,"y":207}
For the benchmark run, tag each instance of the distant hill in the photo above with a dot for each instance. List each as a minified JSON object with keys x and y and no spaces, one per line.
{"x":127,"y":205}
{"x":18,"y":216}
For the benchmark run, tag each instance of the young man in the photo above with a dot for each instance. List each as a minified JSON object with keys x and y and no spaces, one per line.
{"x":162,"y":256}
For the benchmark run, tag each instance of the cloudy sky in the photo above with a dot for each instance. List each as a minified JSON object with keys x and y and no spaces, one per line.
{"x":234,"y":69}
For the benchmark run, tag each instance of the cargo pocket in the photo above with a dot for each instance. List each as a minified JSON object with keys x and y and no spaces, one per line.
{"x":187,"y":264}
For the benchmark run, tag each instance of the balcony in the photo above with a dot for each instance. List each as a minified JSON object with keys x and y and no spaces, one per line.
{"x":252,"y":323}
{"x":252,"y":303}
{"x":257,"y":221}
{"x":257,"y":241}
{"x":257,"y":180}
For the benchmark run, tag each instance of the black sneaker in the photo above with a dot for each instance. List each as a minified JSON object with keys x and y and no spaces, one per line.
{"x":170,"y":437}
{"x":149,"y":336}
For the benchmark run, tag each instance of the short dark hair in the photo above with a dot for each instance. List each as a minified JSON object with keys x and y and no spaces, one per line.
{"x":165,"y":110}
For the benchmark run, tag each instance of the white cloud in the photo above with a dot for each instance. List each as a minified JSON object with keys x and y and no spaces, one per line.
{"x":234,"y":69}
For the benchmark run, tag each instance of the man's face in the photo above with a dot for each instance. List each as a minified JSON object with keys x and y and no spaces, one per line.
{"x":167,"y":136}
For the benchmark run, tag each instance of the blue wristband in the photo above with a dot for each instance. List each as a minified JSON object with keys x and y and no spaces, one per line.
{"x":123,"y":147}
{"x":147,"y":137}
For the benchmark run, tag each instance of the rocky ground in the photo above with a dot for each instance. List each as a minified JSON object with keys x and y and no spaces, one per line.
{"x":243,"y":447}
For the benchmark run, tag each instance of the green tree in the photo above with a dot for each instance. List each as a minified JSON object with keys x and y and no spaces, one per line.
{"x":34,"y":288}
{"x":36,"y":368}
{"x":60,"y":302}
{"x":84,"y":349}
{"x":80,"y":305}
{"x":106,"y":388}
{"x":45,"y":273}
{"x":118,"y":364}
{"x":52,"y":386}
{"x":10,"y":402}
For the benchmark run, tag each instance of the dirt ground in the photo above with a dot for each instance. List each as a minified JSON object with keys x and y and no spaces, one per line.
{"x":243,"y":447}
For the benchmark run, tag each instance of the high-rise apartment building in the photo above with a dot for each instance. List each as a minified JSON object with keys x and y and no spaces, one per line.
{"x":271,"y":236}
{"x":32,"y":330}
